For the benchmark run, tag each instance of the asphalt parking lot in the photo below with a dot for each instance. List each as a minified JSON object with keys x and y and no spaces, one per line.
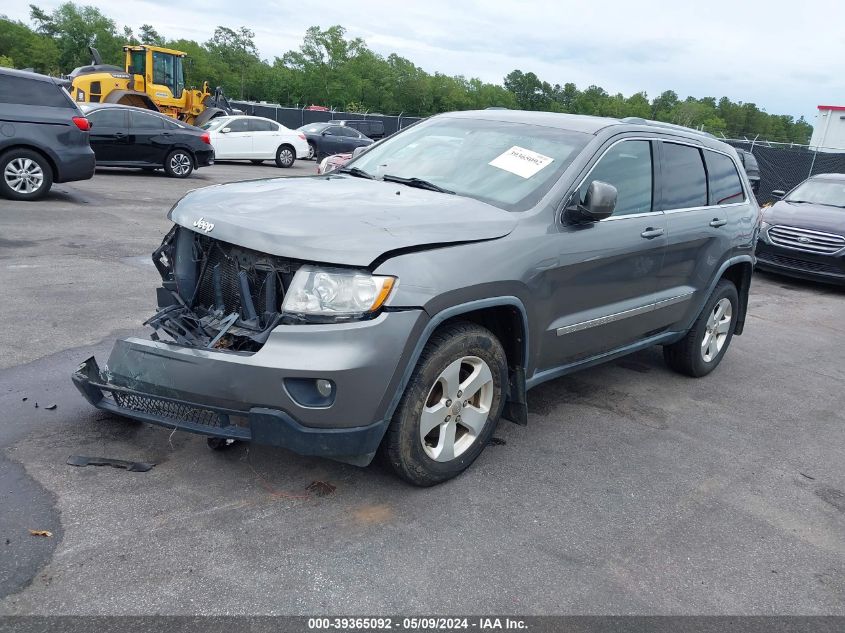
{"x":631,"y":490}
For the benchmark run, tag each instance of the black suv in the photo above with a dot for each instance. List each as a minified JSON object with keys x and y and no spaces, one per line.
{"x":749,"y":162}
{"x":371,"y":129}
{"x":407,"y":300}
{"x":43,"y":136}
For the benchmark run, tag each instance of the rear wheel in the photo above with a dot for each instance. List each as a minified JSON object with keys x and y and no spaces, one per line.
{"x":702,"y":349}
{"x":450,"y":407}
{"x":179,"y":164}
{"x":285,"y":156}
{"x":26,"y":175}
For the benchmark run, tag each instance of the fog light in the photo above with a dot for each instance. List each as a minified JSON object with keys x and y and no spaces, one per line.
{"x":324,"y":387}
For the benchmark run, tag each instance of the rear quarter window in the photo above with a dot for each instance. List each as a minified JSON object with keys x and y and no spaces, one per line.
{"x":725,"y":184}
{"x":32,"y":92}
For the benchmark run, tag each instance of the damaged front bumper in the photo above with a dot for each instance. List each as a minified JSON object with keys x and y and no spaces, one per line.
{"x":259,"y":397}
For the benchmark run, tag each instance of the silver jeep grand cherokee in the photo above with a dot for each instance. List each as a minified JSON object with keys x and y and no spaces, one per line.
{"x":407,"y":301}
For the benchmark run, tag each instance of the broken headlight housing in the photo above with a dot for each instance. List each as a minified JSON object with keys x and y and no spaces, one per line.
{"x":335,"y":294}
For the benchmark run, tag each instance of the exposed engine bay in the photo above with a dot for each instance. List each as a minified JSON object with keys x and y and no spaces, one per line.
{"x":217,"y":295}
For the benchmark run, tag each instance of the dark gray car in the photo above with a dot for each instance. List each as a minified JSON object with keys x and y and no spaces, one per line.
{"x":407,"y":301}
{"x":43,"y":136}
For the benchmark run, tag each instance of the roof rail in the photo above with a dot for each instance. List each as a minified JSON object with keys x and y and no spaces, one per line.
{"x":636,"y":120}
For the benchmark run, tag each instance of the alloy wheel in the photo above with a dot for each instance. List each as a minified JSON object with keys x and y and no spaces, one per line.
{"x":718,"y":327}
{"x":456,"y":409}
{"x":24,"y":175}
{"x":180,"y":164}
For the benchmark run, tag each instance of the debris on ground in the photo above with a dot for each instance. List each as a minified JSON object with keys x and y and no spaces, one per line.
{"x":25,"y":399}
{"x":132,"y":467}
{"x":497,"y":441}
{"x":44,"y":533}
{"x":807,"y":476}
{"x":51,"y":407}
{"x":321,"y":488}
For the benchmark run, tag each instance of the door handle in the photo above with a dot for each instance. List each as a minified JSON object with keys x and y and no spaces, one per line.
{"x":119,"y":135}
{"x":650,"y":233}
{"x":717,"y":222}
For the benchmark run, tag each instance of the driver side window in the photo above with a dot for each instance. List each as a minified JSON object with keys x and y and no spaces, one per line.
{"x":628,"y":167}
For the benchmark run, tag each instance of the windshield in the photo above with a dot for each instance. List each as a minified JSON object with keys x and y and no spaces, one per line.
{"x":828,"y":192}
{"x":509,"y":165}
{"x":214,"y":123}
{"x":313,"y":128}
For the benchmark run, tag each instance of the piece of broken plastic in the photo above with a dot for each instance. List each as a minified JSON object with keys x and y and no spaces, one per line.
{"x":133,"y":467}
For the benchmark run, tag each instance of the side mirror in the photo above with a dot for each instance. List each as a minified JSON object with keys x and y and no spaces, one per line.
{"x":359,"y":150}
{"x":778,"y":194}
{"x":225,"y":130}
{"x":599,"y":202}
{"x":326,"y":133}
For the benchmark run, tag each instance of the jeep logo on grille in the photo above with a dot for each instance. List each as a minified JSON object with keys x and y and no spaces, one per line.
{"x":203,"y":225}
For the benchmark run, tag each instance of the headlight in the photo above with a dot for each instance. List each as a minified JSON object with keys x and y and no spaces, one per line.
{"x":337,"y":293}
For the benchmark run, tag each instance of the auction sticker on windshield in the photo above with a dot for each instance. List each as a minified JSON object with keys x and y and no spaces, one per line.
{"x":520,"y":161}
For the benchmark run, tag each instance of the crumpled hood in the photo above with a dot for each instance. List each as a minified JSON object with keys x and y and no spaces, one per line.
{"x":337,"y":219}
{"x":816,"y":217}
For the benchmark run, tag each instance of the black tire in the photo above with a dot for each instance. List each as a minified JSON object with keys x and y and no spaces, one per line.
{"x":402,"y":447}
{"x":257,"y":162}
{"x":687,"y":355}
{"x":312,"y":151}
{"x":33,"y":167}
{"x":285,"y":156}
{"x":179,"y":163}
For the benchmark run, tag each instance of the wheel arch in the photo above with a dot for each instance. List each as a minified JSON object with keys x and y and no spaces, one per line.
{"x":289,"y":145}
{"x":31,"y":148}
{"x":507,"y":318}
{"x":739,"y":273}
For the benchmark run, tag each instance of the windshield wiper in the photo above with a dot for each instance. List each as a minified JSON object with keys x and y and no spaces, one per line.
{"x":800,"y":202}
{"x":357,"y":172}
{"x":419,"y":183}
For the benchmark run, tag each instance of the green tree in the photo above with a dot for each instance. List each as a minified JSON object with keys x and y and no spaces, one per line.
{"x":74,"y":28}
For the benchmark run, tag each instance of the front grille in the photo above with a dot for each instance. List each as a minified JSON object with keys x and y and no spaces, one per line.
{"x":168,"y":409}
{"x":230,"y":260}
{"x":799,"y":264}
{"x":806,"y":240}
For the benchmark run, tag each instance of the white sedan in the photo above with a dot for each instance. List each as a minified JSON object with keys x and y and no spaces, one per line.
{"x":255,"y":139}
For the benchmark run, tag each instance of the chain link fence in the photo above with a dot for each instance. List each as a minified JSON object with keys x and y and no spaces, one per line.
{"x":785,"y":165}
{"x":297,"y":117}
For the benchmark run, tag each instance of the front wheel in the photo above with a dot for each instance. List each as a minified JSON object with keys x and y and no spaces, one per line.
{"x":450,"y":407}
{"x":285,"y":156}
{"x":704,"y":346}
{"x":178,"y":164}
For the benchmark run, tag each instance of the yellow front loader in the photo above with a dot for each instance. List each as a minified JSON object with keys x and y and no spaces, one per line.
{"x":153,"y":78}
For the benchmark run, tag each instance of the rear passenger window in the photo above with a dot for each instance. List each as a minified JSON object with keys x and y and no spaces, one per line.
{"x":33,"y":92}
{"x":684,"y":179}
{"x":139,"y":120}
{"x":257,"y":125}
{"x":626,"y":166}
{"x":725,"y":185}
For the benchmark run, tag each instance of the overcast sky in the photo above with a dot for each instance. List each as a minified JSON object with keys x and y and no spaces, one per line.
{"x":785,"y":56}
